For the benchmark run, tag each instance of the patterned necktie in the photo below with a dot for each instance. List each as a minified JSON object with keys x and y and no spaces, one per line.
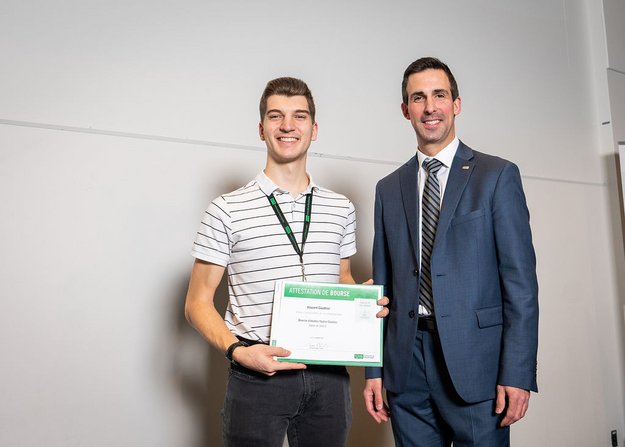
{"x":430,"y":209}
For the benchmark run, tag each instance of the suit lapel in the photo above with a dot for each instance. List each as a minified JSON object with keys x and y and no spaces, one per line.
{"x":459,"y":173}
{"x":410,"y":197}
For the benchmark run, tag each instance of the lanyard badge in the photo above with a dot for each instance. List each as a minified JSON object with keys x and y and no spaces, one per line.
{"x":289,"y":231}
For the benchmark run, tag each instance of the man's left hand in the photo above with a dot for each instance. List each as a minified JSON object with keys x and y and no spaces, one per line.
{"x":514,"y":401}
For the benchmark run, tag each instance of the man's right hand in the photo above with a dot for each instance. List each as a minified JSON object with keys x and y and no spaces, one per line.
{"x":374,"y":401}
{"x":260,"y":358}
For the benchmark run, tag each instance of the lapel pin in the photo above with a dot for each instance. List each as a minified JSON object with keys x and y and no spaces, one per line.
{"x":465,"y":167}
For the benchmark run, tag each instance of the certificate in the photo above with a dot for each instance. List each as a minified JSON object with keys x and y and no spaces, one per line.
{"x":328,"y":324}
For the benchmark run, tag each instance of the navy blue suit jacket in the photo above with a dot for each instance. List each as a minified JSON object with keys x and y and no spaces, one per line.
{"x":483,"y":276}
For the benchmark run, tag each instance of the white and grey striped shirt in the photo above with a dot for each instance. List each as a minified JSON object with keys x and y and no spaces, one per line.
{"x":241,"y":231}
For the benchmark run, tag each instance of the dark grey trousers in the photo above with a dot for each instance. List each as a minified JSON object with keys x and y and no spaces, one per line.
{"x":312,"y":407}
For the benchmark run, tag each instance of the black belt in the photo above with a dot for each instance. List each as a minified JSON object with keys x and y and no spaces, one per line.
{"x":251,"y":342}
{"x":427,"y":324}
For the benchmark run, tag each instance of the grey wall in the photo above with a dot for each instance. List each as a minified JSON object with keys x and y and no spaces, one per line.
{"x":120,"y":121}
{"x":614,"y":13}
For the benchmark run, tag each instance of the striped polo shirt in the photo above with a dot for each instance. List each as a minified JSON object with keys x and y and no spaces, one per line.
{"x":240,"y":231}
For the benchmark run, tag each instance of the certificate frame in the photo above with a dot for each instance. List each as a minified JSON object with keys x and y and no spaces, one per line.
{"x":328,"y":324}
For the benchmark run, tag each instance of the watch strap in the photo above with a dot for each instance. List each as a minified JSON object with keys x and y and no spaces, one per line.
{"x":231,"y":349}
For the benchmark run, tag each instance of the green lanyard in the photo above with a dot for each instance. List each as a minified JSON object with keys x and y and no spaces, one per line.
{"x":289,"y":231}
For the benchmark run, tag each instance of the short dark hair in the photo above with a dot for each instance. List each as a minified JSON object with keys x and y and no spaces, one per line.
{"x":426,"y":63}
{"x":287,"y":86}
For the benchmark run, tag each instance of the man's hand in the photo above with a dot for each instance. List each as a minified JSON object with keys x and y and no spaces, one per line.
{"x":384,"y":312}
{"x":381,"y":302}
{"x":260,"y":358}
{"x":514,"y":400}
{"x":374,"y":401}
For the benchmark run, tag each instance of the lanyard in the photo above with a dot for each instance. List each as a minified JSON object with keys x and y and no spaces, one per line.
{"x":289,"y":231}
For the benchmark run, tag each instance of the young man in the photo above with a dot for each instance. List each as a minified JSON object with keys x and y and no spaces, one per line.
{"x":241,"y":231}
{"x":453,"y":249}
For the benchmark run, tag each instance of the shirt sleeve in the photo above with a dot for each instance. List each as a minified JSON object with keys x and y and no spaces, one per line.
{"x":348,"y":244}
{"x":212,"y":242}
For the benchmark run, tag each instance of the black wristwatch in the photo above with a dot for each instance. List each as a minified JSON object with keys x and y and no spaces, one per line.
{"x":231,"y":349}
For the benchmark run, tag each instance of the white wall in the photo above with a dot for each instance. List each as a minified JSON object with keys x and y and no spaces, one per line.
{"x":120,"y":121}
{"x":614,"y":12}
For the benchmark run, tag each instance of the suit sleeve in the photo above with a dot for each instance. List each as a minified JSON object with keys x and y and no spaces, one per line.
{"x":381,"y":265}
{"x":519,"y":287}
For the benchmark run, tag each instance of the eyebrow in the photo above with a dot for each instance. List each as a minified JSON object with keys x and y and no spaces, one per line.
{"x":435,"y":91}
{"x":307,"y":112}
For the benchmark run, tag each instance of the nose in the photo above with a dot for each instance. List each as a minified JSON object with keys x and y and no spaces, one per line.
{"x":287,"y":124}
{"x":430,"y":105}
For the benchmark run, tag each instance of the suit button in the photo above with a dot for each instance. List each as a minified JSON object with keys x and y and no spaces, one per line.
{"x":411,"y":314}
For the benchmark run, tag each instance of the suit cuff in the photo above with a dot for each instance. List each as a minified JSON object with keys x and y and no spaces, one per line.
{"x":373,"y":372}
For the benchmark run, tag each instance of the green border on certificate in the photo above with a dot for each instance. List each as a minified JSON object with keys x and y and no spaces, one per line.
{"x":327,"y":324}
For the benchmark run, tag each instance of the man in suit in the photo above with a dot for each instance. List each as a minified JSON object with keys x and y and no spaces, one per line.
{"x":453,"y":249}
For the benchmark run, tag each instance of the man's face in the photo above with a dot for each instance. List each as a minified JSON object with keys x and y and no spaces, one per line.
{"x":431,"y":109}
{"x":287,"y":128}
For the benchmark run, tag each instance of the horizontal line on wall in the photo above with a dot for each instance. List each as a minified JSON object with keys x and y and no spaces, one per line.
{"x":140,"y":136}
{"x":616,"y":71}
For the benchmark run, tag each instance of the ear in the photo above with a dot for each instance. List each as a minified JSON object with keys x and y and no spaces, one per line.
{"x":261,"y":132}
{"x":314,"y":132}
{"x":404,"y":111}
{"x":457,"y":106}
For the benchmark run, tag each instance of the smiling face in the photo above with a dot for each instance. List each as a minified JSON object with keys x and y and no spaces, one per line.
{"x":287,"y":128}
{"x":431,"y":109}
